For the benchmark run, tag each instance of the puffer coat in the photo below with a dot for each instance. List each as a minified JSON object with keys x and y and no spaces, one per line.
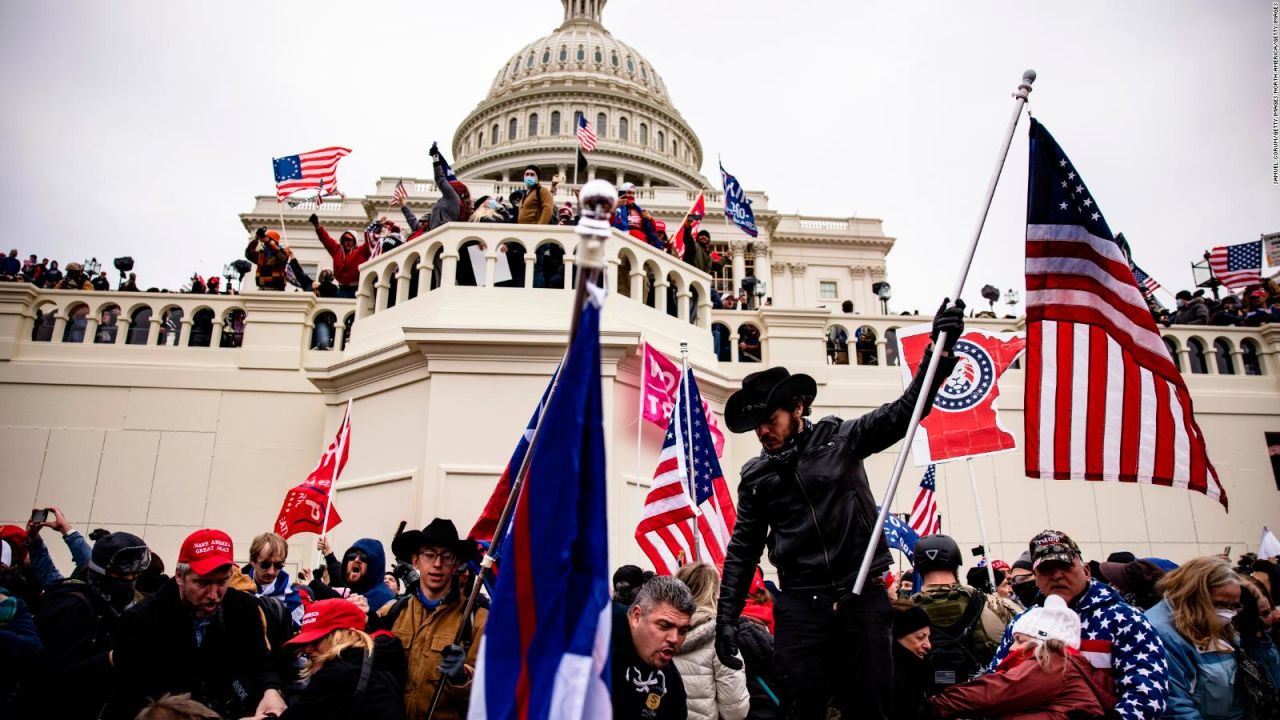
{"x":713,"y":690}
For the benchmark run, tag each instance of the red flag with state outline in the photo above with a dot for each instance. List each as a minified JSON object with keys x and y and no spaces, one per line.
{"x":964,"y":421}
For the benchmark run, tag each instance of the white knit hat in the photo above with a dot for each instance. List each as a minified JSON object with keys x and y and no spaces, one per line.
{"x":1054,"y":621}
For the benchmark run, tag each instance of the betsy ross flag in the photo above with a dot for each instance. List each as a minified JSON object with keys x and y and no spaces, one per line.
{"x":1237,"y":266}
{"x":586,"y":136}
{"x":666,"y":533}
{"x":545,"y":649}
{"x":399,"y":194}
{"x":304,"y":505}
{"x":924,"y":513}
{"x":308,"y":171}
{"x":1103,"y":399}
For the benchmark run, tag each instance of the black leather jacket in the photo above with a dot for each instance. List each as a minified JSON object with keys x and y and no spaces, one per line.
{"x":816,"y":517}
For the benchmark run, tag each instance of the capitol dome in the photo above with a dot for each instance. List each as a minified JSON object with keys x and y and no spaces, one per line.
{"x":530,"y":114}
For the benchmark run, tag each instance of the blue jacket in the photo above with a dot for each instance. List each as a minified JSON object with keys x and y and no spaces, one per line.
{"x":42,"y":564}
{"x":1264,"y":652}
{"x":1115,"y":634}
{"x":371,"y":586}
{"x":622,"y":221}
{"x":1202,"y":686}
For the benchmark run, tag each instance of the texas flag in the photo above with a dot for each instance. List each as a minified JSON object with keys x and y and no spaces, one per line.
{"x":964,"y":421}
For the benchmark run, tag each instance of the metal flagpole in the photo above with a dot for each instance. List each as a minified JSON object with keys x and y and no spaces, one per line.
{"x":596,"y":203}
{"x":343,"y":433}
{"x":688,"y":445}
{"x":644,"y":358}
{"x":982,"y":524}
{"x":1020,"y":100}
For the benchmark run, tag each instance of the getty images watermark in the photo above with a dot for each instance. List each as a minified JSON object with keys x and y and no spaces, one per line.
{"x":1275,"y":92}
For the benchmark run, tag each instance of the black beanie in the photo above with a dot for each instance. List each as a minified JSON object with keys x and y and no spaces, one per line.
{"x":120,"y":552}
{"x":908,"y":621}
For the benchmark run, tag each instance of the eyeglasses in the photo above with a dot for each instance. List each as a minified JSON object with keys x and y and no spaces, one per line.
{"x":445,"y":558}
{"x":1237,"y":607}
{"x":267,"y":565}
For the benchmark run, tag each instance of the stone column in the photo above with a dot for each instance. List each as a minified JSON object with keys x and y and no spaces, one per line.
{"x":153,"y":332}
{"x":660,"y":294}
{"x":620,"y":176}
{"x":785,"y":285}
{"x":733,"y":344}
{"x":798,"y":278}
{"x":864,"y":301}
{"x":1211,"y":358}
{"x":364,"y":303}
{"x":704,"y":312}
{"x":739,"y":261}
{"x":449,"y":268}
{"x":122,"y":328}
{"x":682,"y":304}
{"x":611,"y":274}
{"x":184,"y":331}
{"x":530,"y":257}
{"x":216,"y":339}
{"x":380,"y":299}
{"x":568,"y":272}
{"x":339,"y":334}
{"x":880,"y":343}
{"x":424,"y":277}
{"x":1237,"y":359}
{"x":637,"y":284}
{"x":876,"y":274}
{"x":59,"y":327}
{"x":91,"y":329}
{"x":403,"y":278}
{"x":1184,"y":359}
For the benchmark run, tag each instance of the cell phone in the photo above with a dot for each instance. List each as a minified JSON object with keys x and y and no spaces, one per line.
{"x":40,"y":516}
{"x":1227,"y":552}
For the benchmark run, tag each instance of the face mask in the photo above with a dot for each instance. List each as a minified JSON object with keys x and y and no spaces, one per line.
{"x":1026,"y":592}
{"x":493,"y":204}
{"x":1225,"y":616}
{"x":530,"y":182}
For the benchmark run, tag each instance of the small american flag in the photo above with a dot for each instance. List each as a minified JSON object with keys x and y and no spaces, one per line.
{"x":1103,"y":400}
{"x":1147,"y":283}
{"x":305,"y":171}
{"x":1237,"y":265}
{"x":665,"y":532}
{"x":372,"y":239}
{"x":399,"y":195}
{"x":586,"y":136}
{"x":924,"y":513}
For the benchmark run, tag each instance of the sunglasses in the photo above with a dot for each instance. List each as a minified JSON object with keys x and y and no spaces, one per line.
{"x":267,"y":565}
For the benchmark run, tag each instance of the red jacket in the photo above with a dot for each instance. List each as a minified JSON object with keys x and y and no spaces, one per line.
{"x":346,"y":265}
{"x":1020,"y":690}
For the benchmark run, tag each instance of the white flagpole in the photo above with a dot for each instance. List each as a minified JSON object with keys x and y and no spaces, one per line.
{"x":982,"y":525}
{"x":337,"y":464}
{"x":688,"y":443}
{"x":644,"y":357}
{"x":1020,"y":100}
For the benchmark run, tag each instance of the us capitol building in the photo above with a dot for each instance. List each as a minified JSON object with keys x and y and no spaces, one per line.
{"x":161,"y":413}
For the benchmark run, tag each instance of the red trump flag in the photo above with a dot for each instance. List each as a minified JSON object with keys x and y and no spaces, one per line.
{"x":964,"y":421}
{"x":306,"y":506}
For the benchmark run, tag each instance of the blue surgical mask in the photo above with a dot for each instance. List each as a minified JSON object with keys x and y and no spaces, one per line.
{"x":530,"y":182}
{"x":493,"y":204}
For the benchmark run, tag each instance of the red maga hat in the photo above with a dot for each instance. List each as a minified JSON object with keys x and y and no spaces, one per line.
{"x":207,"y":550}
{"x":324,"y":616}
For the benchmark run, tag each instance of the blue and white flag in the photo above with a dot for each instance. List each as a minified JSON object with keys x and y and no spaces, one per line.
{"x":899,"y":535}
{"x":736,"y":205}
{"x":546,"y":644}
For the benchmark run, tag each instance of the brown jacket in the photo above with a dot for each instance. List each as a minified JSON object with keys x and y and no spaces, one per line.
{"x":1021,"y":690}
{"x":537,"y":207}
{"x":425,"y":634}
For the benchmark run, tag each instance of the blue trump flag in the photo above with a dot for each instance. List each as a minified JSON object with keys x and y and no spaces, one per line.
{"x":899,"y":535}
{"x":736,"y":205}
{"x":545,"y":649}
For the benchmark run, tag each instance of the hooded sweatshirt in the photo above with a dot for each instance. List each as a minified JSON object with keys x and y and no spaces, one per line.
{"x":346,"y":265}
{"x":370,"y":586}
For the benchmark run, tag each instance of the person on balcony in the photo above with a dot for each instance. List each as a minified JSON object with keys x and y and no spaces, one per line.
{"x":634,"y":220}
{"x":348,"y":254}
{"x":264,"y":251}
{"x":74,"y":279}
{"x":538,"y":206}
{"x":454,"y":204}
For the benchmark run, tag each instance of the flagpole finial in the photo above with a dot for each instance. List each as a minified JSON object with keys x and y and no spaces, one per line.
{"x":596,"y":202}
{"x":1024,"y":88}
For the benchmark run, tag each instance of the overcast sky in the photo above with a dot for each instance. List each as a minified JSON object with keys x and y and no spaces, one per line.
{"x":144,"y":128}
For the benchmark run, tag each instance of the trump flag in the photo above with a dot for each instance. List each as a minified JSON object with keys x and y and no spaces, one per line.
{"x":305,"y":505}
{"x":658,"y":394}
{"x":964,"y":421}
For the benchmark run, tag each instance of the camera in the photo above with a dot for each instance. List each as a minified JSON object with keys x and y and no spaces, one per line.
{"x":407,"y":574}
{"x":40,"y":515}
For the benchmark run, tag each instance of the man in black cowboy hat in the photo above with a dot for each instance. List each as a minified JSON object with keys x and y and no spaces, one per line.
{"x":427,"y":619}
{"x":807,"y":498}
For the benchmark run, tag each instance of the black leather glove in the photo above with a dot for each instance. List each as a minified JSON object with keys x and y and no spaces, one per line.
{"x":950,"y":320}
{"x":451,"y":664}
{"x":434,"y":152}
{"x":314,"y":219}
{"x":260,"y":233}
{"x":727,"y":645}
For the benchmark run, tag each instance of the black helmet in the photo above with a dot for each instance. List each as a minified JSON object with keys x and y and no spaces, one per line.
{"x":936,"y":552}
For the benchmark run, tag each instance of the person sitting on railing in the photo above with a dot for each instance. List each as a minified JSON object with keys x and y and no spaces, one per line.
{"x":101,"y":283}
{"x":634,"y":220}
{"x":11,"y":267}
{"x":538,"y":206}
{"x":75,"y":279}
{"x":265,"y":252}
{"x":51,"y":275}
{"x":487,"y":209}
{"x":348,"y":254}
{"x":31,"y":270}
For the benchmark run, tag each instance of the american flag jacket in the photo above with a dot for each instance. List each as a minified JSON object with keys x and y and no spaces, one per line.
{"x":1116,"y":635}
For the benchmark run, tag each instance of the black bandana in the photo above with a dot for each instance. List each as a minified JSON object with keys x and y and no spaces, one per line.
{"x":791,"y":447}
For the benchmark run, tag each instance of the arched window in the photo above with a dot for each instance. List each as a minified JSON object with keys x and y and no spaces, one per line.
{"x":644,"y":134}
{"x":577,"y":117}
{"x":564,"y":53}
{"x":602,"y":125}
{"x":662,"y":141}
{"x":837,"y":345}
{"x":720,"y":342}
{"x":493,"y":135}
{"x":1249,"y":357}
{"x":533,"y":124}
{"x":555,"y":122}
{"x":865,"y":345}
{"x":644,"y":73}
{"x":1172,"y":347}
{"x":201,"y":328}
{"x":479,"y":138}
{"x":511,"y":129}
{"x":77,"y":323}
{"x":108,"y":325}
{"x":622,"y":129}
{"x":170,"y":326}
{"x":582,"y":53}
{"x":1226,"y":363}
{"x":529,"y":63}
{"x":599,"y":56}
{"x":675,"y":147}
{"x":546,"y":56}
{"x":631,"y":65}
{"x":891,"y":347}
{"x":613,"y":58}
{"x":1195,"y":355}
{"x":139,"y":326}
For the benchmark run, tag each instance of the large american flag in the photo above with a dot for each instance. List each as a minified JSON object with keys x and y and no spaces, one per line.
{"x":665,"y":532}
{"x":305,"y":171}
{"x":1104,"y":400}
{"x":1237,"y":265}
{"x":924,"y":512}
{"x":586,"y":136}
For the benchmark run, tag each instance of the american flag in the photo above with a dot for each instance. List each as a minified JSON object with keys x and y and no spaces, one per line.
{"x":1237,"y":265}
{"x":1146,"y":283}
{"x":924,"y":513}
{"x":372,"y":240}
{"x":399,"y":195}
{"x":586,"y":136}
{"x":305,"y":171}
{"x":1103,"y":399}
{"x":665,"y":532}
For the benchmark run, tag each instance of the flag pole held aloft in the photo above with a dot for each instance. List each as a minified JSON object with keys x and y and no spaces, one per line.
{"x":1020,"y":96}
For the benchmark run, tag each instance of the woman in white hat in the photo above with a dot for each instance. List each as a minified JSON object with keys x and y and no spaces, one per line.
{"x":1044,"y":676}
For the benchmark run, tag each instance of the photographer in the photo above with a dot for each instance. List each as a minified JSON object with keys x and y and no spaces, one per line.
{"x":265,"y":251}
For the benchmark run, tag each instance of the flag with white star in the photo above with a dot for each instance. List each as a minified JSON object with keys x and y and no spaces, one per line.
{"x":1237,"y":266}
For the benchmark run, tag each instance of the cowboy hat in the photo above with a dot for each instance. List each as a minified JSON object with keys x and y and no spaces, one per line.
{"x":439,"y":533}
{"x":762,"y":393}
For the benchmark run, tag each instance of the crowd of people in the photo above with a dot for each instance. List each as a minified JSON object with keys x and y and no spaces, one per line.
{"x":1257,"y":305}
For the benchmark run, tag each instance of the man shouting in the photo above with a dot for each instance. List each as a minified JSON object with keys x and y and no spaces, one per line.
{"x":806,"y":498}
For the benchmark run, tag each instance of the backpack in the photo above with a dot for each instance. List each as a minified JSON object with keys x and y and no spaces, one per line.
{"x":951,"y":661}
